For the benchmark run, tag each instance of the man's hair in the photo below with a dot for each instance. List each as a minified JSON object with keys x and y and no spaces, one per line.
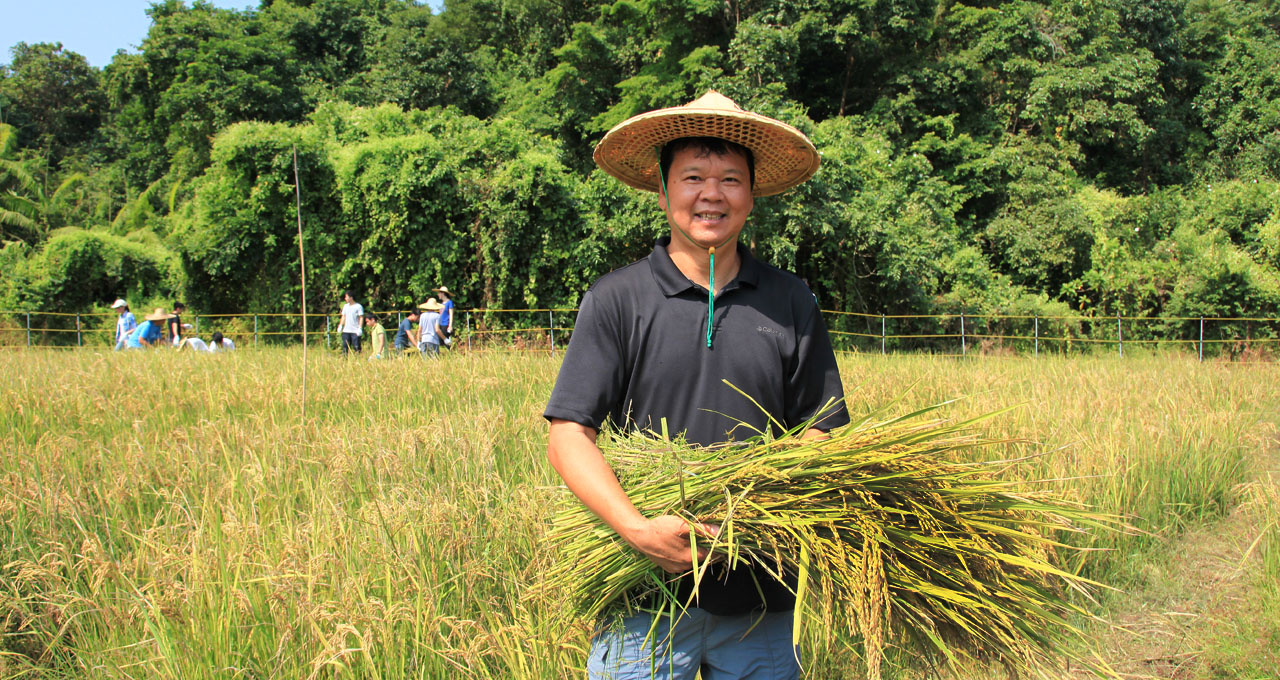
{"x":368,"y":316}
{"x":178,"y":305}
{"x":414,"y":312}
{"x":704,"y":146}
{"x":347,"y":293}
{"x":217,"y":338}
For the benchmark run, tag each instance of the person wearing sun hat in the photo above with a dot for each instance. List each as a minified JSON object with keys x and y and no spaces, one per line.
{"x":654,"y":343}
{"x":149,"y":332}
{"x":430,"y":334}
{"x":446,"y":313}
{"x":125,"y":322}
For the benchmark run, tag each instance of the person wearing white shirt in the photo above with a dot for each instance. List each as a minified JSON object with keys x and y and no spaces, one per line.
{"x":350,"y":323}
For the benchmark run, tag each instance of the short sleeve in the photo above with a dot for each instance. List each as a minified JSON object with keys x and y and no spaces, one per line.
{"x":813,"y":377}
{"x":591,"y":382}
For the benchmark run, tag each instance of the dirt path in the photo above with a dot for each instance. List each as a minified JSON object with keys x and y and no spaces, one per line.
{"x":1198,"y":616}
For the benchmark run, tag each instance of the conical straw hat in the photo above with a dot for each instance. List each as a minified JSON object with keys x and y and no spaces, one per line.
{"x":159,"y":315}
{"x":784,"y":156}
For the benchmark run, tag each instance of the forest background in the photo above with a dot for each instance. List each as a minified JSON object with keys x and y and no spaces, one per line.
{"x":1021,"y":157}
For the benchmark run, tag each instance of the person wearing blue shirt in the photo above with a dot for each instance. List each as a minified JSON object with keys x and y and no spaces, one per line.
{"x":446,"y":313}
{"x":406,"y":336}
{"x":149,"y":332}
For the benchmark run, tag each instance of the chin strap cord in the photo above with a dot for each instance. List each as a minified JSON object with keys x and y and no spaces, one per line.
{"x":711,"y":297}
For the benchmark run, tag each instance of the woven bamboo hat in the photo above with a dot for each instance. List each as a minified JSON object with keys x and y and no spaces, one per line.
{"x":432,"y":305}
{"x":159,"y":315}
{"x":784,"y":156}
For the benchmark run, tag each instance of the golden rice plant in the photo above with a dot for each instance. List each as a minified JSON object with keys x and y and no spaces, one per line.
{"x":890,"y":540}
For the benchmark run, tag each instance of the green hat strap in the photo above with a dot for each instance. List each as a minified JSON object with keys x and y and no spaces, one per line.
{"x":711,"y":254}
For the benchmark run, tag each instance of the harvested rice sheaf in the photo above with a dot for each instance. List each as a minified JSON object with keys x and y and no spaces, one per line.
{"x":891,"y":539}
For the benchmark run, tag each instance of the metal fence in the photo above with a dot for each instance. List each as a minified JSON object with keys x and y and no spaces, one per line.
{"x":1236,"y":338}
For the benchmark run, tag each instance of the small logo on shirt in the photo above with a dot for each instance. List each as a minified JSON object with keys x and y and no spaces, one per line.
{"x":770,"y":330}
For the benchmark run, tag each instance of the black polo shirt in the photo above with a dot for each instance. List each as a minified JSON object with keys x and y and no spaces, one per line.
{"x":639,"y":354}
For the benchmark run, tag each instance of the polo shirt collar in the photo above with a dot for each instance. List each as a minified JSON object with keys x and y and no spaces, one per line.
{"x":673,"y":282}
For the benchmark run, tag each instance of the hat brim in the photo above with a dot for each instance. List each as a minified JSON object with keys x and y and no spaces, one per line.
{"x":153,"y":317}
{"x":784,"y":156}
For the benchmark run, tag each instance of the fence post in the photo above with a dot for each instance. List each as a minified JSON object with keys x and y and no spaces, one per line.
{"x":255,"y":330}
{"x":1120,"y":333}
{"x":964,"y":346}
{"x":1037,"y":334}
{"x":468,"y":331}
{"x":78,"y":341}
{"x":28,"y":329}
{"x":882,"y":335}
{"x":551,"y":321}
{"x":1202,"y":339}
{"x":197,"y":324}
{"x":326,"y":332}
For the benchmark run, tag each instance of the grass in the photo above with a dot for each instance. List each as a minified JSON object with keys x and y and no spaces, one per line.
{"x":170,"y":515}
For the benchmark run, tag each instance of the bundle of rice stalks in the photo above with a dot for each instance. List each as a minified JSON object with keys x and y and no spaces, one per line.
{"x":889,"y":537}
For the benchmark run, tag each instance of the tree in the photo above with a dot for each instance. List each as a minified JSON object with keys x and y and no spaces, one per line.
{"x":55,"y":99}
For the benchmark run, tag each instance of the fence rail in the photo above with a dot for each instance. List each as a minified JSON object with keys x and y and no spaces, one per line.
{"x":1254,"y":338}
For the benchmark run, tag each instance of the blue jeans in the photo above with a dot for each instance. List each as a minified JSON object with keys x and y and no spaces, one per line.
{"x":644,"y":646}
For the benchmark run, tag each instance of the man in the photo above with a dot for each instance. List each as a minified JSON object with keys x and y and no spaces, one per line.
{"x":377,"y":335}
{"x":349,"y":323}
{"x":149,"y":332}
{"x":406,"y":336}
{"x":446,"y":313}
{"x":655,"y":340}
{"x":125,"y":322}
{"x":430,"y":334}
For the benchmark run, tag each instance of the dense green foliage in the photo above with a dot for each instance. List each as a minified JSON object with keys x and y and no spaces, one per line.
{"x":1018,"y":157}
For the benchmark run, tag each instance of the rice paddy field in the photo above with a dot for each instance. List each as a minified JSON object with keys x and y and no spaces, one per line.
{"x":173,"y":515}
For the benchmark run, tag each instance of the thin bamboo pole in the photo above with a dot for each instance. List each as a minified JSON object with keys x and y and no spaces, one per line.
{"x":302,"y":272}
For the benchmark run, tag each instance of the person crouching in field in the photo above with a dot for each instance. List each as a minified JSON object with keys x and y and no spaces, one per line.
{"x":377,"y":335}
{"x":406,"y":336}
{"x":430,"y":334}
{"x":125,"y":322}
{"x":217,"y":343}
{"x":656,"y":341}
{"x":149,"y":332}
{"x":349,"y":323}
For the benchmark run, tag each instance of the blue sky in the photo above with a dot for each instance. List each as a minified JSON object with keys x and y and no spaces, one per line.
{"x":94,"y":28}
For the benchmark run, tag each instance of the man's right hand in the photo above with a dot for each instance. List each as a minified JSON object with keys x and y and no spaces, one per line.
{"x":665,"y":541}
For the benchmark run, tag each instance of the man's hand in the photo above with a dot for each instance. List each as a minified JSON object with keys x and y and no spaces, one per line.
{"x":665,"y":541}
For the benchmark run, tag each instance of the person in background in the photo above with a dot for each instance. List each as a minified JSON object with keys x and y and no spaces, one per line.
{"x":149,"y":332}
{"x":194,"y":343}
{"x":446,"y":313}
{"x":406,"y":336}
{"x":429,"y":332}
{"x":377,"y":335}
{"x":218,"y":343}
{"x":125,"y":323}
{"x":349,"y":323}
{"x":175,"y":324}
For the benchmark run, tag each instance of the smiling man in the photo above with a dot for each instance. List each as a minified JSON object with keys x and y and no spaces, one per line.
{"x":656,"y":340}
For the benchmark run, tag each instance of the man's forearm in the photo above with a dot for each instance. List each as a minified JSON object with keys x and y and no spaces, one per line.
{"x":572,"y":450}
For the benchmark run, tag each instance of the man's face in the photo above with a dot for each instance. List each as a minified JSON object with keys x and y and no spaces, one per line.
{"x":708,"y":197}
